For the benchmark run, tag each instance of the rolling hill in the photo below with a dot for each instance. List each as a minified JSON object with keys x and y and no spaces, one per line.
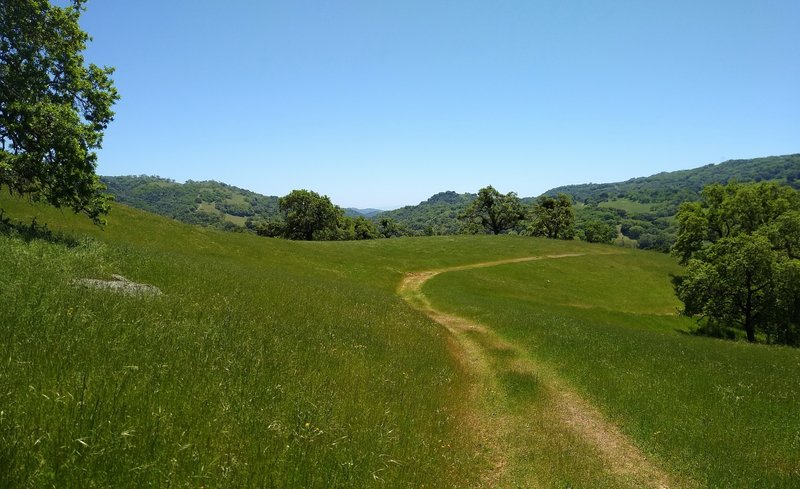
{"x":209,"y":202}
{"x":642,"y":208}
{"x":273,"y":363}
{"x":672,"y":188}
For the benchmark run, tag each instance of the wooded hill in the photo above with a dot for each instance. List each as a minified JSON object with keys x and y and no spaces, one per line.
{"x":208,"y":202}
{"x":642,"y":208}
{"x":679,"y":186}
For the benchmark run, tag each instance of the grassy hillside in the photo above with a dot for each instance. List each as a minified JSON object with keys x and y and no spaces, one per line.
{"x":272,"y":363}
{"x":719,"y":413}
{"x":264,"y":363}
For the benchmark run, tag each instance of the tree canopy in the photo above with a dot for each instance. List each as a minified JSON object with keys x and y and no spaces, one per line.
{"x":53,"y":108}
{"x":740,"y":245}
{"x":309,"y":216}
{"x":598,"y":232}
{"x":493,"y":211}
{"x":554,"y":217}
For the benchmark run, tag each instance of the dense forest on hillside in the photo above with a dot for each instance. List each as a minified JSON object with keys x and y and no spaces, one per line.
{"x":679,"y":186}
{"x":437,"y":215}
{"x":207,"y":202}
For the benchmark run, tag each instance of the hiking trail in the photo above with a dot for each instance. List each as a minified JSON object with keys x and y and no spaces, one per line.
{"x":494,"y":424}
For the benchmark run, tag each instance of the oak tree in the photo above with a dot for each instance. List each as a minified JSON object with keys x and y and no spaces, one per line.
{"x":493,"y":211}
{"x":554,"y":217}
{"x":740,"y":246}
{"x":309,"y":216}
{"x":53,"y":107}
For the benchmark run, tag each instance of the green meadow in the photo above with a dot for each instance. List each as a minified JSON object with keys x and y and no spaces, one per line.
{"x":270,"y":363}
{"x":715,"y":413}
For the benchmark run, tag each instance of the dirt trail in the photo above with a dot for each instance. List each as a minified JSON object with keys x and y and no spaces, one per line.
{"x":473,"y":344}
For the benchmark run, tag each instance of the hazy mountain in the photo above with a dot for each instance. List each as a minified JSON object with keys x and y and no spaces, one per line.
{"x":368,"y":213}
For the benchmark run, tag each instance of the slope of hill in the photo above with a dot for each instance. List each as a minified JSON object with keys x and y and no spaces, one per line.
{"x":272,"y":363}
{"x":679,"y":186}
{"x":368,"y":213}
{"x":208,"y":202}
{"x":265,"y":363}
{"x":435,"y":216}
{"x":644,"y":208}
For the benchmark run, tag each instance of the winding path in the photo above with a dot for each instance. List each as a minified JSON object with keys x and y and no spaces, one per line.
{"x":473,"y":344}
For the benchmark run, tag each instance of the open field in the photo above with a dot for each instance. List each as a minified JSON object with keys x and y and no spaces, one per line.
{"x":293,"y":364}
{"x":717,"y":413}
{"x":627,"y":205}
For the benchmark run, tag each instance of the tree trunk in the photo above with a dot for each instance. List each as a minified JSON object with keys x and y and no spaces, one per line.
{"x":749,"y":327}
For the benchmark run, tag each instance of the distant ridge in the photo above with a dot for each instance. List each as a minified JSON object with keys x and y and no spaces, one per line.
{"x":437,"y":215}
{"x":682,"y":185}
{"x":645,"y":204}
{"x":353,"y":212}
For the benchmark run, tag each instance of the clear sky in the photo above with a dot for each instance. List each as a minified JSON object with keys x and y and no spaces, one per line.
{"x":382,"y":103}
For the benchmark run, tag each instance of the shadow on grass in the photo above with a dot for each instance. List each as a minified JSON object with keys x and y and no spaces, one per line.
{"x":34,"y":231}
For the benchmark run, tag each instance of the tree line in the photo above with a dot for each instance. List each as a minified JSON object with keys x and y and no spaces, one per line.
{"x":307,"y":215}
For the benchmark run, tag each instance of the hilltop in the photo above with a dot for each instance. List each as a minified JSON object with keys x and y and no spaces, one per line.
{"x":208,"y":202}
{"x":436,"y":216}
{"x":679,"y":186}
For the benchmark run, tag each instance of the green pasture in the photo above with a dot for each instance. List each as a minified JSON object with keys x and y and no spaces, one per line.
{"x":718,"y":413}
{"x":627,"y":205}
{"x":264,"y":363}
{"x":270,"y":363}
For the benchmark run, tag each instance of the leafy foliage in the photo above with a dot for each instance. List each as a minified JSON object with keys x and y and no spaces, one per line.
{"x":685,"y":185}
{"x":598,"y":232}
{"x":740,"y":246}
{"x":53,"y":108}
{"x":648,"y":205}
{"x":648,"y":222}
{"x":553,"y":217}
{"x":493,"y":211}
{"x":309,"y":216}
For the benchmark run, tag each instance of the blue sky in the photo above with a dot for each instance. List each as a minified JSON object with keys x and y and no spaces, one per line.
{"x":384,"y":103}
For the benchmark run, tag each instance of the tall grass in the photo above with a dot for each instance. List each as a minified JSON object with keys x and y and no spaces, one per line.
{"x":264,"y":363}
{"x":270,"y":363}
{"x":723,"y":414}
